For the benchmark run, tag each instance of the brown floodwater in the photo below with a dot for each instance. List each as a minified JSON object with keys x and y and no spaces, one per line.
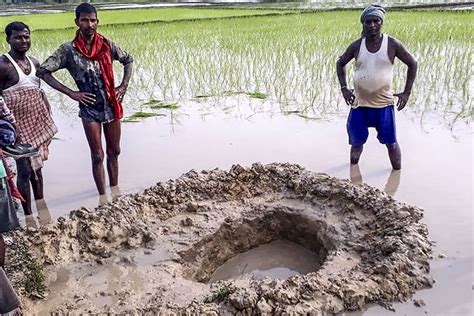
{"x":436,"y":174}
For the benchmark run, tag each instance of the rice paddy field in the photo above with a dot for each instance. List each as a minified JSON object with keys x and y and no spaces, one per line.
{"x":214,"y":87}
{"x":286,"y":56}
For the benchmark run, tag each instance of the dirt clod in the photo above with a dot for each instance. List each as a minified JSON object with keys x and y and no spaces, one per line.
{"x":419,"y":303}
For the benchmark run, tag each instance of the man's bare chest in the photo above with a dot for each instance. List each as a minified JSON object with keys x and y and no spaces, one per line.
{"x":376,"y":46}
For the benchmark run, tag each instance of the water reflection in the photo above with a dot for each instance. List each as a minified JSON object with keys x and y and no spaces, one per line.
{"x":391,"y":186}
{"x":115,"y":192}
{"x":31,"y":222}
{"x":43,"y":216}
{"x":393,"y":182}
{"x":355,"y":175}
{"x":103,"y":199}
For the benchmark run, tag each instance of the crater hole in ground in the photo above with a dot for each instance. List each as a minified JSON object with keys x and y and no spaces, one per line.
{"x":278,"y":259}
{"x":296,"y":236}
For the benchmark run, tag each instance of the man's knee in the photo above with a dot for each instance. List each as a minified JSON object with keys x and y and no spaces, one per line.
{"x":113,"y":152}
{"x":395,"y":155}
{"x":393,"y":146}
{"x":97,"y":157}
{"x":356,"y":151}
{"x":23,"y":167}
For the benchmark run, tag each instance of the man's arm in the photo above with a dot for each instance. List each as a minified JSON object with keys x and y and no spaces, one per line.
{"x":343,"y":60}
{"x":122,"y":88}
{"x":412,"y":64}
{"x":5,"y":112}
{"x":81,"y":97}
{"x":55,"y":62}
{"x":35,"y":62}
{"x":127,"y":61}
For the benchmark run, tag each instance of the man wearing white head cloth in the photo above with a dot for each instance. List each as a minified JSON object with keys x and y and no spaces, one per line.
{"x":372,"y":99}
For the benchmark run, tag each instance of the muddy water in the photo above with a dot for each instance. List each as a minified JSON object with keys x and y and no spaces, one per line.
{"x":278,"y":259}
{"x":436,"y":174}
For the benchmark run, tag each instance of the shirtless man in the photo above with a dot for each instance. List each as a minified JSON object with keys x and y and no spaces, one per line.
{"x":372,"y":99}
{"x":20,"y":93}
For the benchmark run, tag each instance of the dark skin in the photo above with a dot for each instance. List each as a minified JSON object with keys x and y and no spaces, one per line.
{"x":20,"y":43}
{"x":372,"y":29}
{"x":87,"y":24}
{"x":2,"y":252}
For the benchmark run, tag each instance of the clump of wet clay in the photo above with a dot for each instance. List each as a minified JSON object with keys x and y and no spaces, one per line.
{"x":22,"y":267}
{"x":371,"y":248}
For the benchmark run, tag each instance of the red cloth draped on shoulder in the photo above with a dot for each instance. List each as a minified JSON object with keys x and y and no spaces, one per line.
{"x":100,"y":51}
{"x":10,"y":179}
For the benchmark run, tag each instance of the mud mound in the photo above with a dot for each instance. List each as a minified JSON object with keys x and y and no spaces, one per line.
{"x":22,"y":267}
{"x":370,"y":247}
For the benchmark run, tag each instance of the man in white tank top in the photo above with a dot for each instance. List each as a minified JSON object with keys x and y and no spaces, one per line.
{"x":372,"y":99}
{"x":24,"y":104}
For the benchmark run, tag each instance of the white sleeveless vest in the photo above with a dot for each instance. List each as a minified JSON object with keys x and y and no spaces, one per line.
{"x":373,"y":76}
{"x":24,"y":81}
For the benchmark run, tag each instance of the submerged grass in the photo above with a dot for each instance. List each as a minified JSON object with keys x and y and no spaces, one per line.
{"x":158,"y":104}
{"x":138,"y":116}
{"x":289,"y":59}
{"x":257,"y":95}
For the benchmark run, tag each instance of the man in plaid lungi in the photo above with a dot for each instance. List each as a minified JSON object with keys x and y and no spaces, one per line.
{"x":88,"y":58}
{"x":24,"y":104}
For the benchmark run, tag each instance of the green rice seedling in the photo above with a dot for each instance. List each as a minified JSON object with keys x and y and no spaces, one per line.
{"x":53,"y":21}
{"x":291,"y":57}
{"x":257,"y":95}
{"x":219,"y":295}
{"x":142,"y":115}
{"x":129,"y":120}
{"x":138,"y":116}
{"x":164,"y":105}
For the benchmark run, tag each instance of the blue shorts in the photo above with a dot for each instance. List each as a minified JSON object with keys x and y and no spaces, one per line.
{"x":361,"y":118}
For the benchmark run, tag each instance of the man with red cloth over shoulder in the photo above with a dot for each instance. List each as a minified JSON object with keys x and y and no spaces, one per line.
{"x":88,"y":58}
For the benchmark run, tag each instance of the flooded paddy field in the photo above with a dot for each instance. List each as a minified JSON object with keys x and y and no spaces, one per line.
{"x":203,"y":141}
{"x":38,"y":8}
{"x":261,"y":89}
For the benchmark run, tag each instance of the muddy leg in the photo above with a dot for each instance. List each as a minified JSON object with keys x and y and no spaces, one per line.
{"x":395,"y":155}
{"x":93,"y":131}
{"x":36,"y":180}
{"x":393,"y":182}
{"x":24,"y":173}
{"x":356,"y":151}
{"x":112,"y":133}
{"x":355,"y":175}
{"x":44,"y":216}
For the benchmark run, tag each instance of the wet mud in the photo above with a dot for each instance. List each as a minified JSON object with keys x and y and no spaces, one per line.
{"x":157,"y":251}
